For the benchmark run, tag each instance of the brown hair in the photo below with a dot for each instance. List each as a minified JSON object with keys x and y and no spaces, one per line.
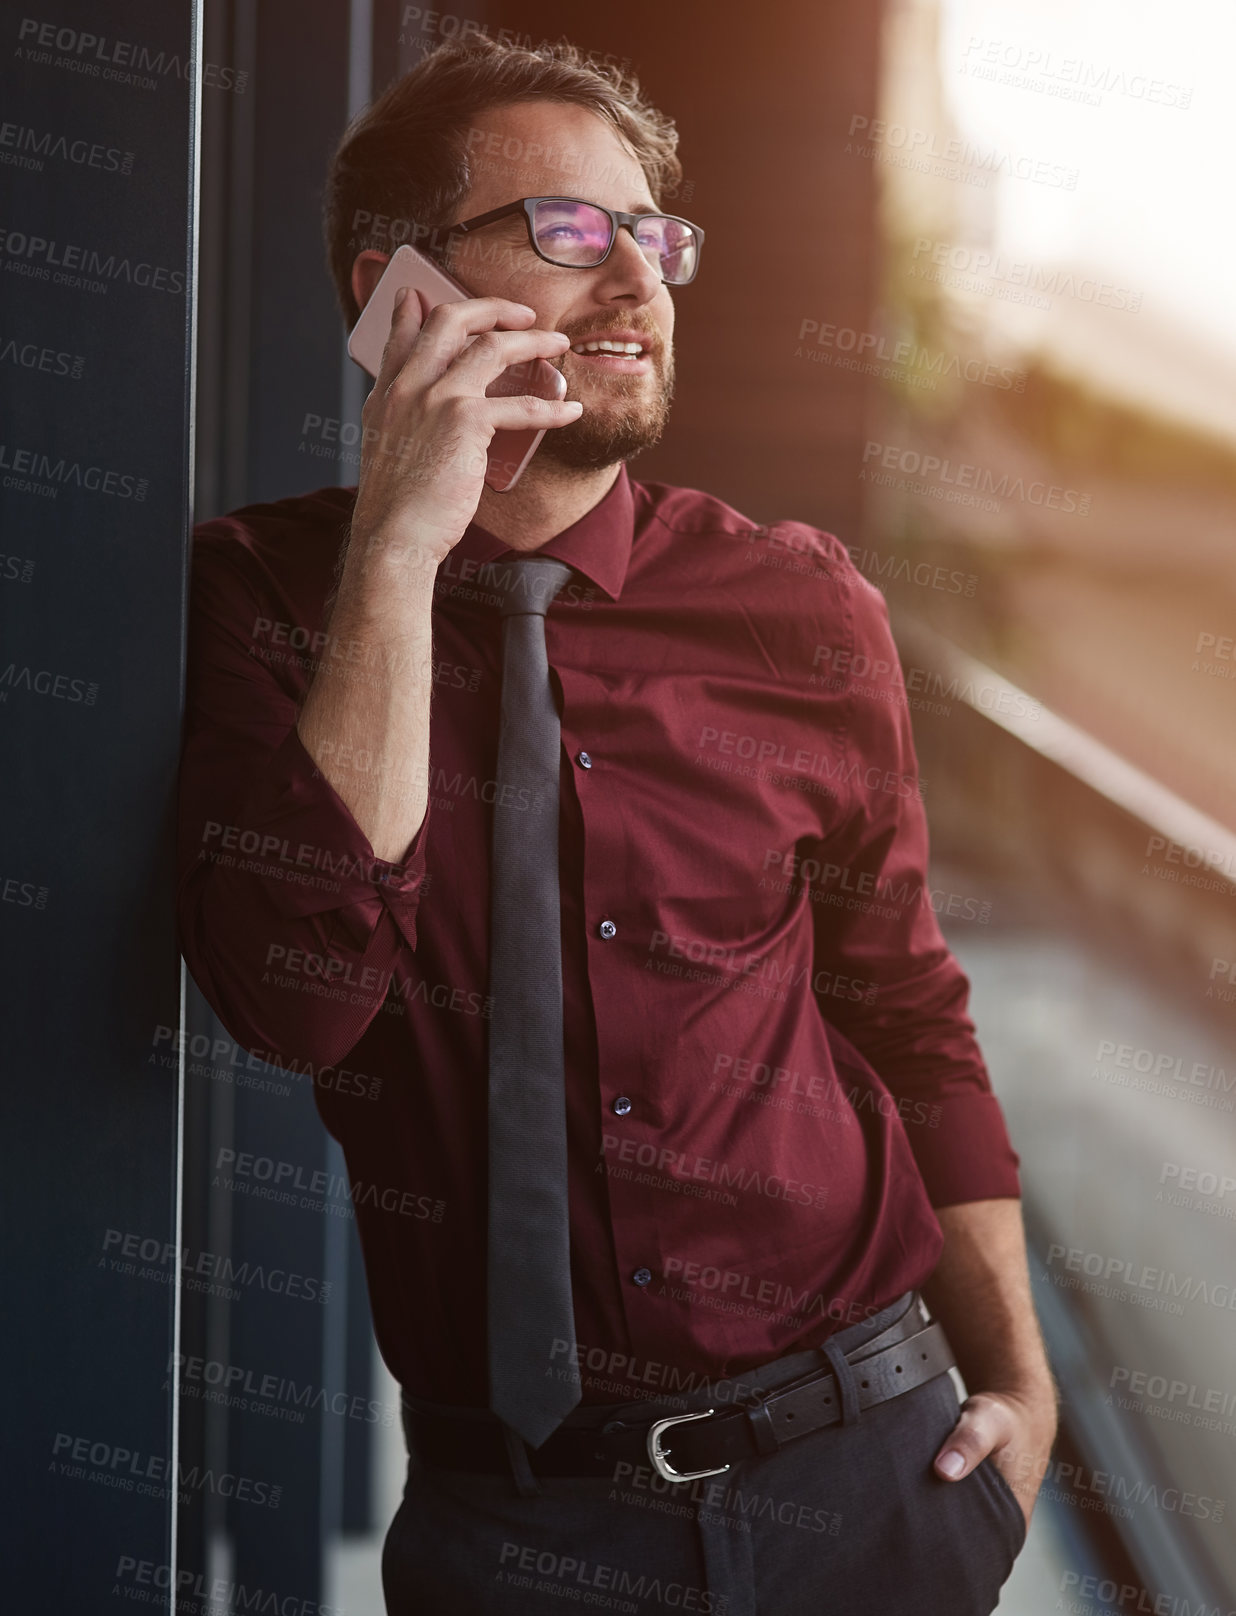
{"x":403,"y":165}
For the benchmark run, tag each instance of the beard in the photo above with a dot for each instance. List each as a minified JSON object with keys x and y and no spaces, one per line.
{"x":626,"y":416}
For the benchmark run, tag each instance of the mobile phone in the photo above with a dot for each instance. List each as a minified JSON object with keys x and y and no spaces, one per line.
{"x":510,"y":450}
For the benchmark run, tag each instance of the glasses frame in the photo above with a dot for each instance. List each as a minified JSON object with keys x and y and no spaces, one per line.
{"x":618,"y":221}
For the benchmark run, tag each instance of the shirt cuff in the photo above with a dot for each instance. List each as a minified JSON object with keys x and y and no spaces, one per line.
{"x":963,"y":1150}
{"x":297,"y":833}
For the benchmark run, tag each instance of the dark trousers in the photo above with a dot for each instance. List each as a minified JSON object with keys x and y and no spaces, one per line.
{"x":849,"y":1521}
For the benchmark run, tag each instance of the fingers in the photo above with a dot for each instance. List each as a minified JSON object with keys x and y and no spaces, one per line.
{"x":406,"y":321}
{"x":450,"y":327}
{"x":492,"y":352}
{"x":982,"y":1426}
{"x":525,"y":410}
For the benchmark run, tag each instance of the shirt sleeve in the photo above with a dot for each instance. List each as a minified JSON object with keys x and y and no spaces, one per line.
{"x":289,"y":924}
{"x":906,"y":998}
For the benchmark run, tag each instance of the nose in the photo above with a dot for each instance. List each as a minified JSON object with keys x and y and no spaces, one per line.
{"x":628,"y":271}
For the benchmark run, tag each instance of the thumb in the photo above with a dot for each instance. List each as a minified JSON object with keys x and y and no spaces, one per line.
{"x":973,"y":1437}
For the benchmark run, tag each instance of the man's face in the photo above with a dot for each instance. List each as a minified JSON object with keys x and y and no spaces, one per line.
{"x":539,"y":148}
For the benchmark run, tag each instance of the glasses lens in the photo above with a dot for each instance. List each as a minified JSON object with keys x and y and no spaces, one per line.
{"x":572,"y":233}
{"x":670,"y":246}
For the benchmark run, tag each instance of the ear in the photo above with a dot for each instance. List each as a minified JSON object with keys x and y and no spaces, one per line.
{"x":366,"y":273}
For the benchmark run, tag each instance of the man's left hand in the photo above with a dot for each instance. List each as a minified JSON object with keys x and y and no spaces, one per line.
{"x":1016,"y":1429}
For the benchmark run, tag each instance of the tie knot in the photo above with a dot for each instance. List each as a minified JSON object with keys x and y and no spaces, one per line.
{"x":528,"y":586}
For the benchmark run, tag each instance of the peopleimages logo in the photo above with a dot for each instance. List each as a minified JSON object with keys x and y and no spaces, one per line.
{"x":29,"y":148}
{"x":79,"y":1458}
{"x":252,"y":1391}
{"x":1165,"y":1065}
{"x":1126,"y":1597}
{"x":119,"y":61}
{"x":1137,"y":1276}
{"x":84,"y":268}
{"x":924,"y":366}
{"x":212,"y":1593}
{"x":42,"y":357}
{"x":982,"y":269}
{"x":25,"y":894}
{"x":934,"y":471}
{"x":677,"y":1167}
{"x":166,"y":1263}
{"x":44,"y":682}
{"x":951,"y":157}
{"x":1034,"y":67}
{"x":34,"y":471}
{"x":544,"y":1571}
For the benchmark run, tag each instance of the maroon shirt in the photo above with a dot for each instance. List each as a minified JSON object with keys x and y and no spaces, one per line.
{"x":771,"y":1075}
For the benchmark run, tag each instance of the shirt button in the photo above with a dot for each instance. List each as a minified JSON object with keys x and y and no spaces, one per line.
{"x":622,"y":1105}
{"x":641,"y":1276}
{"x":607,"y":929}
{"x":584,"y":761}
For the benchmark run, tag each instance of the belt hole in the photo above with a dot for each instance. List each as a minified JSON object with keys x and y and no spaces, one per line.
{"x":789,"y":1416}
{"x":897,"y":1367}
{"x":864,"y":1383}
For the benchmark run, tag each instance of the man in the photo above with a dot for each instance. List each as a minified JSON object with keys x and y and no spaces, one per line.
{"x":558,"y":816}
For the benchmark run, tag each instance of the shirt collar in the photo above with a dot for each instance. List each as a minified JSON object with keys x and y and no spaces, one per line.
{"x":598,"y":545}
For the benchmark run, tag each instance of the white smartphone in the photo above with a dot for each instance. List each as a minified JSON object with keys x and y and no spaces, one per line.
{"x":509,"y":450}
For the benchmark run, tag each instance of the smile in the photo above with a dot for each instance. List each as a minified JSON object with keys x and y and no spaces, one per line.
{"x":622,"y":355}
{"x":604,"y":345}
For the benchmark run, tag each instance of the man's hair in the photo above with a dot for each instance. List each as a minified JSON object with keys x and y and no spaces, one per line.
{"x":404,"y":164}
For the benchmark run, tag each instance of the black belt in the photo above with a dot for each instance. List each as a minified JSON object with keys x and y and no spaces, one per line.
{"x":702,"y":1443}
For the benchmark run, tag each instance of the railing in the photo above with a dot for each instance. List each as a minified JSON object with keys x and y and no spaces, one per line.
{"x":1022,"y":792}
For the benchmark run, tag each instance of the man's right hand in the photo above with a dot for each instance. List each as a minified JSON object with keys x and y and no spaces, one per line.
{"x":427,"y":423}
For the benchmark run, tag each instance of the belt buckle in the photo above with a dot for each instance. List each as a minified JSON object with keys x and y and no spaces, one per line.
{"x":657,"y":1454}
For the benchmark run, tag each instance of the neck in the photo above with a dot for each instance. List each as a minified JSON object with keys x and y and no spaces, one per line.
{"x":547,"y":499}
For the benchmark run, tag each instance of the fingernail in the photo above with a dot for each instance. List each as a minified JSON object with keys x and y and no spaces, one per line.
{"x":400,"y":295}
{"x":573,"y":403}
{"x":952,"y":1463}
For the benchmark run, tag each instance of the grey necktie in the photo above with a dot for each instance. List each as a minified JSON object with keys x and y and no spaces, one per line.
{"x":533,"y":1374}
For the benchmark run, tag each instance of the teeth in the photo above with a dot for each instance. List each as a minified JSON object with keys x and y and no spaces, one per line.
{"x":605,"y":346}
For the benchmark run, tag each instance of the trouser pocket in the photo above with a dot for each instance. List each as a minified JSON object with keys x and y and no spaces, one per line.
{"x":1007,"y":1500}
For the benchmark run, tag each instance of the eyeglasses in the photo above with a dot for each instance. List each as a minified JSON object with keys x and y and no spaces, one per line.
{"x":580,"y":235}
